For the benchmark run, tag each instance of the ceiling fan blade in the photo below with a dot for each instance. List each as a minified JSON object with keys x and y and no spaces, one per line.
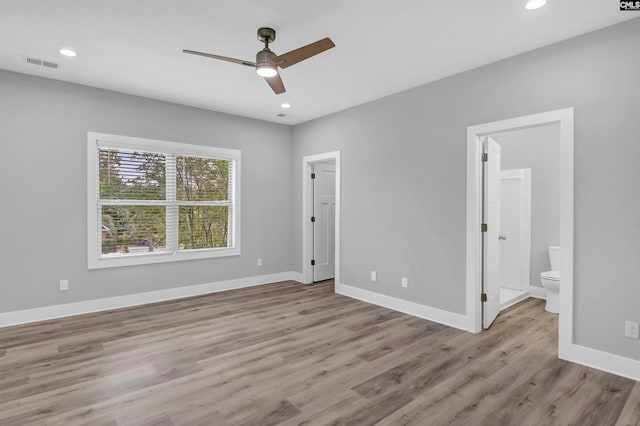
{"x":276,"y":84}
{"x":287,"y":59}
{"x":222,"y":58}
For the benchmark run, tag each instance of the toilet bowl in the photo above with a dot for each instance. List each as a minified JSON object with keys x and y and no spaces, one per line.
{"x":550,"y":280}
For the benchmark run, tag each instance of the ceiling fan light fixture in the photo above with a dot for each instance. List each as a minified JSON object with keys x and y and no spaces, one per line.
{"x":535,"y":4}
{"x":266,"y":70}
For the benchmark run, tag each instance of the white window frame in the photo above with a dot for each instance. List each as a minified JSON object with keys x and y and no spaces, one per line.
{"x":94,"y":251}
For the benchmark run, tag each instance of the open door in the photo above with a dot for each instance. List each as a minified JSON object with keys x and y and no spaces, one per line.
{"x":491,"y":234}
{"x":324,"y":225}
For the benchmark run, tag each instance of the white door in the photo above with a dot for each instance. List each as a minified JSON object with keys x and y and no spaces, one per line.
{"x":491,"y":241}
{"x":324,"y":225}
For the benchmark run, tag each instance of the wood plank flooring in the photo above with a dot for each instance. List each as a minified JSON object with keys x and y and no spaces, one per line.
{"x":289,"y":354}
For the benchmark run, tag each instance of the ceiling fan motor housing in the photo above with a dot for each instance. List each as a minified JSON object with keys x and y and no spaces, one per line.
{"x":265,"y":57}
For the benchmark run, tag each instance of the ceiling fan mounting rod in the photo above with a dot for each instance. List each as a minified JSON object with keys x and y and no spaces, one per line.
{"x":266,"y":35}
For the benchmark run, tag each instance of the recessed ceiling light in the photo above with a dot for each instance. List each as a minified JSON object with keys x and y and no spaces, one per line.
{"x":67,"y":52}
{"x":535,"y":4}
{"x":285,"y":105}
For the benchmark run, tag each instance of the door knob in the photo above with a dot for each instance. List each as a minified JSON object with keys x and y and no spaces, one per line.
{"x":502,"y":237}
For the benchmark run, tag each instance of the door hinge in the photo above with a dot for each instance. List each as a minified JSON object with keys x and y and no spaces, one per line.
{"x":313,"y":218}
{"x":313,"y":175}
{"x":484,"y":227}
{"x":313,"y":262}
{"x":485,"y":156}
{"x":483,"y":297}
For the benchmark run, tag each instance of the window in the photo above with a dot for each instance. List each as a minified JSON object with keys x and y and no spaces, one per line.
{"x":155,"y":201}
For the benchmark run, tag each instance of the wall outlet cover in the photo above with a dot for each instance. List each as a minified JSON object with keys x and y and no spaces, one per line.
{"x":259,"y":261}
{"x":64,"y":285}
{"x":405,"y":282}
{"x":374,"y":276}
{"x":632,"y":329}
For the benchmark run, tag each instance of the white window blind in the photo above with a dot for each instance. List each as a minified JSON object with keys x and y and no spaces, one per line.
{"x":156,"y":198}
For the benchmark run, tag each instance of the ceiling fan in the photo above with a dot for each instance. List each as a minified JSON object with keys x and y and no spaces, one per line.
{"x":267,"y":62}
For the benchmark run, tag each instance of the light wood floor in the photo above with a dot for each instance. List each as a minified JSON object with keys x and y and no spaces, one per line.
{"x":289,"y":354}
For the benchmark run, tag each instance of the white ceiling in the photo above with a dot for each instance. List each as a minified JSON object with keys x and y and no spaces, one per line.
{"x":382,"y":46}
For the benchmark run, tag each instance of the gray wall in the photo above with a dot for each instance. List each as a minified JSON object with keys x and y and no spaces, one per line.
{"x":43,"y":129}
{"x":404,"y":167}
{"x":537,"y":149}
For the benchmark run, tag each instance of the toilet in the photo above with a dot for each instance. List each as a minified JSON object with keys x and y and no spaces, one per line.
{"x":551,"y":281}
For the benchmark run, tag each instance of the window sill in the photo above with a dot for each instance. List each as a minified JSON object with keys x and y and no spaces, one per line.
{"x":146,"y":259}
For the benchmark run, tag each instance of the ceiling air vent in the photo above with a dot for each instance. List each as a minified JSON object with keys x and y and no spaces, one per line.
{"x":40,"y":62}
{"x":50,"y":64}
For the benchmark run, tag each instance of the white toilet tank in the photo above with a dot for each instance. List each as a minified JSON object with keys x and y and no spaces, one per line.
{"x":554,"y":257}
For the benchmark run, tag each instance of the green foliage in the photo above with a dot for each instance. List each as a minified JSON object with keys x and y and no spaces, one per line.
{"x":203,"y":227}
{"x":133,"y":175}
{"x":202,"y":179}
{"x":134,"y":228}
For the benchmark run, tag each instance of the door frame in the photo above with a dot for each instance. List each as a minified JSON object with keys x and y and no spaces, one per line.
{"x":307,"y":209}
{"x":474,"y":215}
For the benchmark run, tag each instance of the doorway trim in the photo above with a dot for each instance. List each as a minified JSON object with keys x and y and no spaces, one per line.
{"x":474,"y":216}
{"x":307,"y":207}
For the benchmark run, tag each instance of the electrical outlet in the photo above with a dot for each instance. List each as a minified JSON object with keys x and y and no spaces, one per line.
{"x":374,"y":276}
{"x":632,"y":329}
{"x":259,"y":262}
{"x":64,"y":285}
{"x":405,"y":282}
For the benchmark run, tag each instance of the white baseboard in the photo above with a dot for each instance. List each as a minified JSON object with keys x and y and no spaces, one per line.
{"x":296,"y":276}
{"x":110,"y":303}
{"x":515,"y":301}
{"x":610,"y":363}
{"x":400,"y":305}
{"x":537,"y":292}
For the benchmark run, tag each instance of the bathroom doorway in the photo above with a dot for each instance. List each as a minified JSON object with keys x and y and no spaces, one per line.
{"x":484,"y":222}
{"x":529,"y":221}
{"x":519,"y":165}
